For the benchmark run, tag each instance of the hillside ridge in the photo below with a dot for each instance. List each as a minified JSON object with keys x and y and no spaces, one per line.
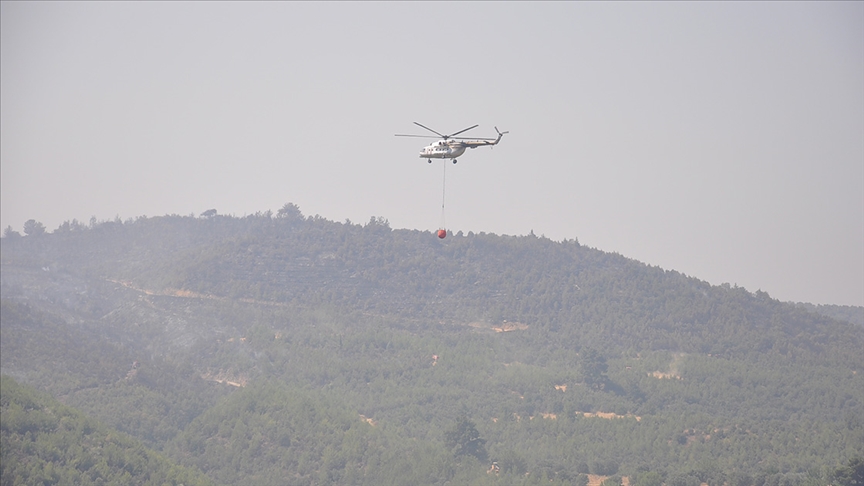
{"x":416,"y":334}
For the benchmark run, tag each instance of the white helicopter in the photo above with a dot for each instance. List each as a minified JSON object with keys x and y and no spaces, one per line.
{"x":450,"y":147}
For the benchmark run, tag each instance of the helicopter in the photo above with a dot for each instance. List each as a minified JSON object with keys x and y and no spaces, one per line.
{"x":450,"y":146}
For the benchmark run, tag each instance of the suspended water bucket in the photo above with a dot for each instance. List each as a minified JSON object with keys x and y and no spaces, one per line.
{"x":442,"y":233}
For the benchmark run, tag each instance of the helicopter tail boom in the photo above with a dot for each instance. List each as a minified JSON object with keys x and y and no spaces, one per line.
{"x":483,"y":142}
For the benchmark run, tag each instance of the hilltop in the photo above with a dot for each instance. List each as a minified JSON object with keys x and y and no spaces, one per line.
{"x":566,"y":359}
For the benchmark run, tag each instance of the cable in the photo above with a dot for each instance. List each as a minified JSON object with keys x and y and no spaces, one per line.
{"x":443,"y":195}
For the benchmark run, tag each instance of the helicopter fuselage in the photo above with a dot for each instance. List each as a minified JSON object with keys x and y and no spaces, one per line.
{"x":443,"y":149}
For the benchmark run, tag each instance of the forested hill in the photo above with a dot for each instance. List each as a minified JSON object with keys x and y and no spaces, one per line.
{"x":476,"y":359}
{"x":578,"y":293}
{"x":45,"y":442}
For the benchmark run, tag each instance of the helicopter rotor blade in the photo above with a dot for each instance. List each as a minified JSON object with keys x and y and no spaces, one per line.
{"x":433,"y":131}
{"x":460,"y":131}
{"x":416,"y":136}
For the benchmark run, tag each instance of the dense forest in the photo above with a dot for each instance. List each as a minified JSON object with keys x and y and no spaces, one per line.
{"x":45,"y":442}
{"x":285,"y":349}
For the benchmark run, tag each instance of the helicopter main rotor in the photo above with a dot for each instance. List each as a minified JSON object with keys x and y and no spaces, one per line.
{"x":442,"y":136}
{"x":445,"y":137}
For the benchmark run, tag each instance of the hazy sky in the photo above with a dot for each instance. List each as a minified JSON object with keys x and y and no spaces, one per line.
{"x":722,"y":140}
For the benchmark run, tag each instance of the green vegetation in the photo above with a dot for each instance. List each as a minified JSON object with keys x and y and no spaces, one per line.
{"x":45,"y":442}
{"x":464,"y":439}
{"x":850,"y":474}
{"x":292,"y":350}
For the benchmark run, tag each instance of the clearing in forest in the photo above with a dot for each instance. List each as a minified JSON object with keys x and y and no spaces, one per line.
{"x":673,"y":368}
